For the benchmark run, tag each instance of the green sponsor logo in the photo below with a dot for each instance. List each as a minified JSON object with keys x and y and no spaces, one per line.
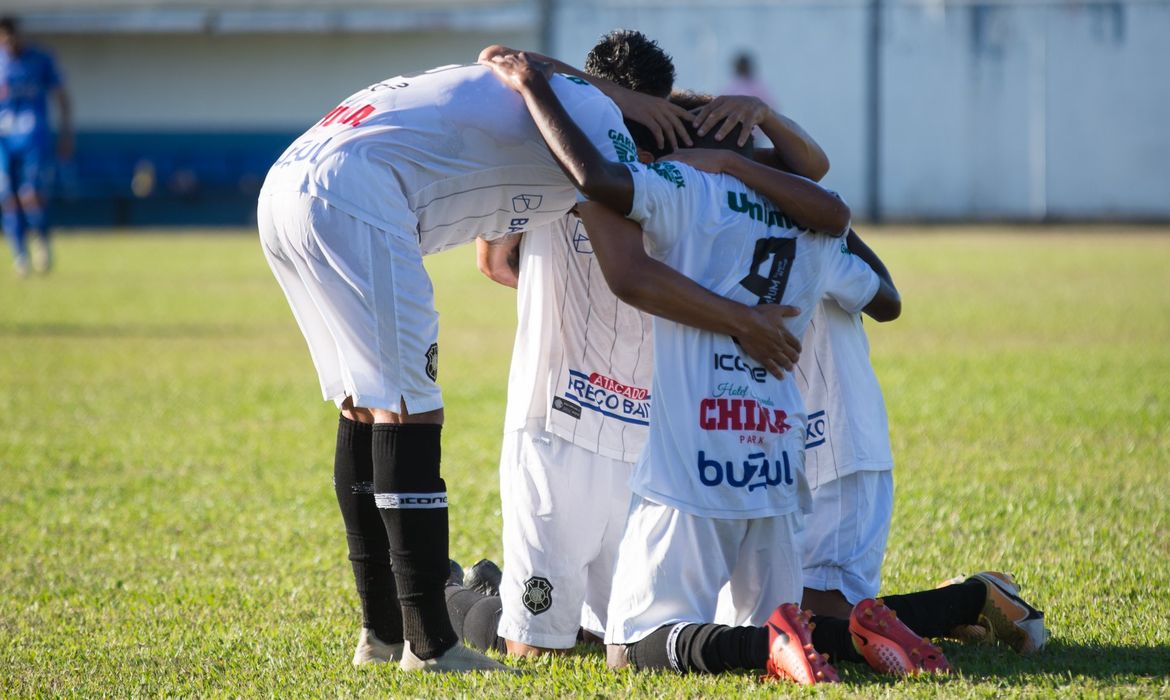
{"x":668,"y":172}
{"x":575,"y":79}
{"x":627,"y":152}
{"x":739,"y":202}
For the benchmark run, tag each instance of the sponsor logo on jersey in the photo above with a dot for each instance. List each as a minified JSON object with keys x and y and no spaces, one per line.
{"x":741,"y":390}
{"x":636,"y":393}
{"x":767,"y":277}
{"x":433,"y":362}
{"x":581,"y":242}
{"x":518,"y":224}
{"x":609,"y":397}
{"x":537,"y":595}
{"x":756,"y":465}
{"x":817,"y":431}
{"x":526,"y":202}
{"x":566,"y":406}
{"x":346,"y":115}
{"x":575,"y":79}
{"x":760,"y":211}
{"x":735,"y":363}
{"x":742,"y":416}
{"x":627,"y":152}
{"x":669,"y":172}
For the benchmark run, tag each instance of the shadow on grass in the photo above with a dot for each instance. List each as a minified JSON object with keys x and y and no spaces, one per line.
{"x":1110,"y":662}
{"x":127,"y":330}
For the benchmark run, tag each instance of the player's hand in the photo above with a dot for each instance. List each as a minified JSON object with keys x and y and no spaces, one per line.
{"x":495,"y":50}
{"x":709,"y":160}
{"x":518,"y":70}
{"x":731,"y":110}
{"x":767,"y":340}
{"x":666,"y":120}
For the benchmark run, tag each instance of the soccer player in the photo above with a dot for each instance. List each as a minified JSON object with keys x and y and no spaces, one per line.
{"x":720,"y":482}
{"x":849,"y":467}
{"x":578,"y":402}
{"x":28,"y":78}
{"x":406,"y":167}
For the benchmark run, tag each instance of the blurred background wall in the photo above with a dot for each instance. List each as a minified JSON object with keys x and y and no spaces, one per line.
{"x":930,"y":109}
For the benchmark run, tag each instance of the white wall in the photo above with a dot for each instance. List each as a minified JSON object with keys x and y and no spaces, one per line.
{"x":242,"y":82}
{"x":1024,"y":110}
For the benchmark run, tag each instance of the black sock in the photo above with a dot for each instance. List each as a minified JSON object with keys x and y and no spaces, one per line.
{"x":935,"y":613}
{"x":412,"y":499}
{"x":831,"y":636}
{"x":369,"y":550}
{"x":707,"y":648}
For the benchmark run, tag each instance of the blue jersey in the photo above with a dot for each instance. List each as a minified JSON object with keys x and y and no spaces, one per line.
{"x":26,"y":80}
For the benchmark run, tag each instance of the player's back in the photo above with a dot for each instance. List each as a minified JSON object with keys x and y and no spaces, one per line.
{"x":848,"y":428}
{"x":745,"y":459}
{"x":451,"y":151}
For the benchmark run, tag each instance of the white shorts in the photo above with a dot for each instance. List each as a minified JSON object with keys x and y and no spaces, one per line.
{"x":362,"y":300}
{"x":564,"y":511}
{"x":845,"y":537}
{"x":672,"y":565}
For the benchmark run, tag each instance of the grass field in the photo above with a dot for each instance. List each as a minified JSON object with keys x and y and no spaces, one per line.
{"x":168,"y":528}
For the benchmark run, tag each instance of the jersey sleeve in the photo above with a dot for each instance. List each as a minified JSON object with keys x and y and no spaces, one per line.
{"x":598,"y":117}
{"x":847,"y":278}
{"x":666,"y":201}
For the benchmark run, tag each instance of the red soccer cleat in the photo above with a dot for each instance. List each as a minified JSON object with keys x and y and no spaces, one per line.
{"x":890,"y":646}
{"x":790,"y":651}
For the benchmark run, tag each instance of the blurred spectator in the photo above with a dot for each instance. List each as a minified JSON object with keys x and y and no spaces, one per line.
{"x":744,"y":81}
{"x":28,"y":76}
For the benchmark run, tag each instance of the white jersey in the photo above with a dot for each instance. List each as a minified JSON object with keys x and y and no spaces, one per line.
{"x":847,"y":426}
{"x":582,"y":362}
{"x":727,"y":438}
{"x":450,"y":154}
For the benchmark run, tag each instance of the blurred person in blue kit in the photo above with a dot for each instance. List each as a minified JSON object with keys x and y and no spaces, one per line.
{"x":28,"y":77}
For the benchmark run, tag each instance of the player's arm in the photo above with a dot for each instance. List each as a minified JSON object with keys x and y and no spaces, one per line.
{"x":658,"y":289}
{"x":595,"y":177}
{"x":665,"y":120}
{"x":886,"y":304}
{"x":801,"y":199}
{"x":499,"y":259}
{"x":792,"y":149}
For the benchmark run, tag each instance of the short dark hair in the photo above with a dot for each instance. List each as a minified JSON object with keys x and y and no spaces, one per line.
{"x":9,"y":24}
{"x":632,"y":60}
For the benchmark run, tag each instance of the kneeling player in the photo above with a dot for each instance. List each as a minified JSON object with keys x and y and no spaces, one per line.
{"x":726,"y":495}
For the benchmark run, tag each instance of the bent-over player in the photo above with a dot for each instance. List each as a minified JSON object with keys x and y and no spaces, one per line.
{"x":406,"y":167}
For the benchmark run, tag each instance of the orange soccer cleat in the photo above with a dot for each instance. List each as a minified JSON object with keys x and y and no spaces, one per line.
{"x":890,"y":646}
{"x":790,"y":651}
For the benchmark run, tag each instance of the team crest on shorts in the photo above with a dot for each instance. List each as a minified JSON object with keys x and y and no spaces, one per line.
{"x":537,"y":595}
{"x":433,"y":362}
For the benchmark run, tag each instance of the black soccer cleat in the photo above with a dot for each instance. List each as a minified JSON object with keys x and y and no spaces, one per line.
{"x":484,"y":577}
{"x":456,"y":577}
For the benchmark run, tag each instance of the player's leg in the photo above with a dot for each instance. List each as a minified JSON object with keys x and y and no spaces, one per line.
{"x":32,"y":191}
{"x":610,"y":508}
{"x":10,"y":215}
{"x":845,"y":541}
{"x":552,"y":493}
{"x":371,"y":292}
{"x":282,"y":221}
{"x":783,"y":647}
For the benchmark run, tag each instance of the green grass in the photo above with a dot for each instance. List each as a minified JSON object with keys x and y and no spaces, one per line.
{"x":167,"y":524}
